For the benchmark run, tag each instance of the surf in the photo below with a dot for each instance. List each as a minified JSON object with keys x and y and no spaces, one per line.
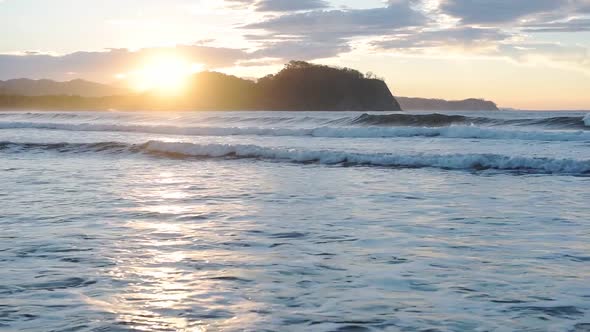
{"x":441,"y":120}
{"x":454,"y":131}
{"x":178,"y":150}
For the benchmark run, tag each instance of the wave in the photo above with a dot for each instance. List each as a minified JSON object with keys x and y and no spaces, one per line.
{"x":326,"y":157}
{"x":442,"y":120}
{"x":109,"y":147}
{"x":225,"y":118}
{"x":49,"y":115}
{"x":467,"y":132}
{"x":273,"y":120}
{"x":396,"y":119}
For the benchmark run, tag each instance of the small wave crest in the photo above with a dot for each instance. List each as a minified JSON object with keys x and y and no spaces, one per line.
{"x":467,"y":132}
{"x":190,"y":117}
{"x":442,"y":120}
{"x":326,"y":157}
{"x":428,"y":120}
{"x":111,"y":147}
{"x":397,"y":119}
{"x":46,"y":115}
{"x":272,"y":120}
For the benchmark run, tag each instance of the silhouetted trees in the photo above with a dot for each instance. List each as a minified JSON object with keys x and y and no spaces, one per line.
{"x":305,"y":86}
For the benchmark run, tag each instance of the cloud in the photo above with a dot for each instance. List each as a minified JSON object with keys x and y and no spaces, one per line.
{"x":344,"y":23}
{"x":573,"y":25}
{"x":283,"y":30}
{"x":498,"y":28}
{"x":509,"y":13}
{"x":464,"y":37}
{"x":326,"y":33}
{"x":281,"y":5}
{"x":566,"y":56}
{"x":290,"y":5}
{"x":497,"y":11}
{"x":102,"y":66}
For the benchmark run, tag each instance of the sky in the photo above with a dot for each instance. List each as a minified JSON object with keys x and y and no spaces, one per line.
{"x":526,"y":54}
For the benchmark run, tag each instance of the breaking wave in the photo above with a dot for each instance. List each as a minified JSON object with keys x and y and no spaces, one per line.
{"x":442,"y":120}
{"x":327,"y":157}
{"x":467,"y":132}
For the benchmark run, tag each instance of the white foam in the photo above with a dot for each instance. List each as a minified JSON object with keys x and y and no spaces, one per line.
{"x":467,"y":132}
{"x":587,"y":120}
{"x":449,"y":161}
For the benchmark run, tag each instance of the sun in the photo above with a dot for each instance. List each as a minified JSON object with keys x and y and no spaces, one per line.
{"x":164,"y":74}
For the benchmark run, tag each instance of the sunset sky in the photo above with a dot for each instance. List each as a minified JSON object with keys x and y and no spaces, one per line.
{"x":531,"y":54}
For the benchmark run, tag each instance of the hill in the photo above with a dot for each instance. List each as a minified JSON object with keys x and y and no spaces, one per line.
{"x":423,"y":104}
{"x":299,"y":86}
{"x":302,"y":85}
{"x":28,"y":87}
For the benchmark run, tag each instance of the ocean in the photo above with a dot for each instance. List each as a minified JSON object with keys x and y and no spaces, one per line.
{"x":294,"y":221}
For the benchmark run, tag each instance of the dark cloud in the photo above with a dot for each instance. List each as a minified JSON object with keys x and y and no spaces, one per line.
{"x":509,"y":12}
{"x":290,"y":5}
{"x":101,"y":66}
{"x":498,"y":11}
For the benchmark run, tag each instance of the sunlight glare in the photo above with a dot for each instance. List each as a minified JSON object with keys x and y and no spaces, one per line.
{"x":165,"y":74}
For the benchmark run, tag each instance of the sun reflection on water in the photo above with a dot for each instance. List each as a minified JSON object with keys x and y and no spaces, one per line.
{"x":168,"y":275}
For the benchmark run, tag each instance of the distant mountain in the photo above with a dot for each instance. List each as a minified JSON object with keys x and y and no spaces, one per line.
{"x":423,"y":104}
{"x":28,"y":87}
